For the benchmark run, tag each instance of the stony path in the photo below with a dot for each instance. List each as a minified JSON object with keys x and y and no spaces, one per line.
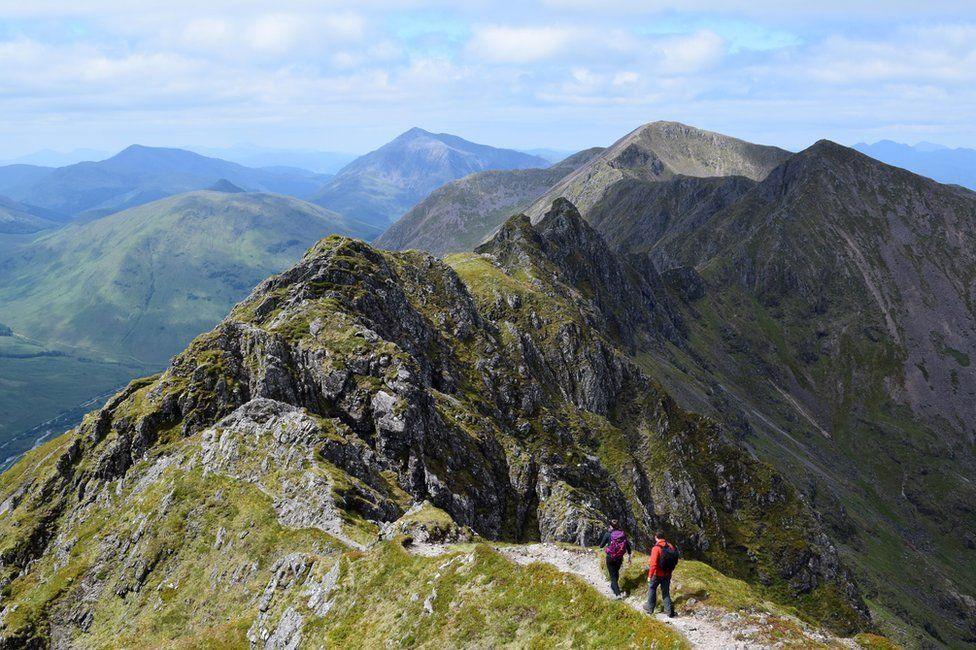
{"x":701,"y":630}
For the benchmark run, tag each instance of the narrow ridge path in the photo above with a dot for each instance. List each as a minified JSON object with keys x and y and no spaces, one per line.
{"x":701,"y":631}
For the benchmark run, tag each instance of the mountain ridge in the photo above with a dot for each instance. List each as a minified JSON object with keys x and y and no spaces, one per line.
{"x":659,"y":151}
{"x":360,"y":381}
{"x":139,"y":174}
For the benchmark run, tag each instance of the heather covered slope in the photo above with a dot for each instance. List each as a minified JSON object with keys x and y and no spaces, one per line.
{"x":462,"y":214}
{"x":831,"y":320}
{"x":358,"y":382}
{"x":379,"y":187}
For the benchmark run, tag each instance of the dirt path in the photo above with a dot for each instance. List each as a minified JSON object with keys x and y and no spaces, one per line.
{"x":702,"y":630}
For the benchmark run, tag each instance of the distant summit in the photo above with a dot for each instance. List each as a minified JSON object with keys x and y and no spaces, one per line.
{"x":224,"y":185}
{"x":383,"y":184}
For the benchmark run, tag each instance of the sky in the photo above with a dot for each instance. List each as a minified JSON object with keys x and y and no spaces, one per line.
{"x":561,"y":74}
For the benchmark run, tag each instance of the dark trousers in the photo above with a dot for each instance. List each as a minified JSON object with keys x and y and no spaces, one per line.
{"x":613,"y":568}
{"x":665,"y":585}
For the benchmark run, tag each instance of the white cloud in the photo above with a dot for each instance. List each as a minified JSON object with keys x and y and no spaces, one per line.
{"x":519,"y":44}
{"x":624,"y":78}
{"x":354,"y":67}
{"x":692,"y":53}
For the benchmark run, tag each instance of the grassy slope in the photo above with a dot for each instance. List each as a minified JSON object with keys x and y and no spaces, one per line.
{"x":145,"y":281}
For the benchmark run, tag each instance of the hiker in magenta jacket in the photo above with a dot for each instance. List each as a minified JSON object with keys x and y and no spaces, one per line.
{"x":664,"y":556}
{"x":616,"y":544}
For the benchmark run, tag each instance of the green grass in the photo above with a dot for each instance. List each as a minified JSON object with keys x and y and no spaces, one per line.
{"x":478,"y":599}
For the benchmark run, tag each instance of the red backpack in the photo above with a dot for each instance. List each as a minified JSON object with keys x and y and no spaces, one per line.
{"x":618,"y":545}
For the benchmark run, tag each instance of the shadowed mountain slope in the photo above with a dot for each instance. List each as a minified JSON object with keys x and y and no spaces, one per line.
{"x":831,"y":319}
{"x":462,"y":214}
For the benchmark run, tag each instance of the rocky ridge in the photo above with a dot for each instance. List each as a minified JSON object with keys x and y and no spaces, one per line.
{"x":661,"y":151}
{"x":359,"y":382}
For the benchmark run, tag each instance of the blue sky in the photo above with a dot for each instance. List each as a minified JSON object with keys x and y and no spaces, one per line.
{"x":563,"y":74}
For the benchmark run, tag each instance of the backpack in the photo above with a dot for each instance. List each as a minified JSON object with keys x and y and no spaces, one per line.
{"x":669,"y":558}
{"x":618,"y":545}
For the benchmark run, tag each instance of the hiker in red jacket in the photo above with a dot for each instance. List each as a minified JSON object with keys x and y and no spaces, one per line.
{"x":664,"y":557}
{"x":617,"y":545}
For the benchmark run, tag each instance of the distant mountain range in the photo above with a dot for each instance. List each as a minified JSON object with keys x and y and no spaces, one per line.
{"x":138,"y":175}
{"x":375,"y":188}
{"x":936,"y":161}
{"x":379,"y":187}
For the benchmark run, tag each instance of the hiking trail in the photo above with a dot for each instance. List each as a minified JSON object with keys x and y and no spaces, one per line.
{"x":698,"y":628}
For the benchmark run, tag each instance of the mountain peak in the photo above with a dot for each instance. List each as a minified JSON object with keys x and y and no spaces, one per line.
{"x":383,"y":184}
{"x":224,"y":185}
{"x":414,"y":132}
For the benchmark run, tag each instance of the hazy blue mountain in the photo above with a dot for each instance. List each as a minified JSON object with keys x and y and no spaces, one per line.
{"x":928,"y":159}
{"x":379,"y":187}
{"x":14,"y":176}
{"x":552,"y":155}
{"x":138,"y":175}
{"x":251,"y":155}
